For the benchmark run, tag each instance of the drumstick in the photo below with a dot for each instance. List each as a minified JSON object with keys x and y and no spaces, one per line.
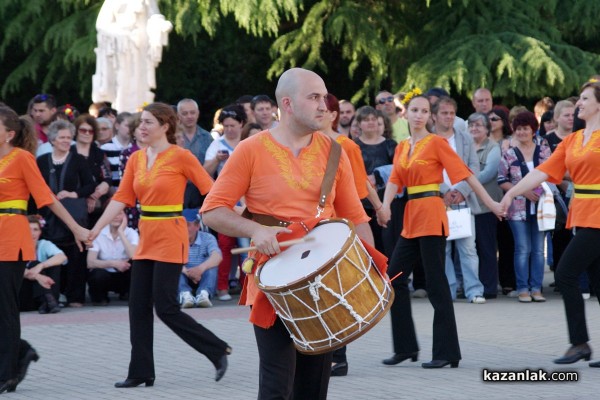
{"x":281,"y":244}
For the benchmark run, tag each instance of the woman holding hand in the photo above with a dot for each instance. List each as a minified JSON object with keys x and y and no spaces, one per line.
{"x":578,"y":154}
{"x":419,"y":163}
{"x":157,"y":177}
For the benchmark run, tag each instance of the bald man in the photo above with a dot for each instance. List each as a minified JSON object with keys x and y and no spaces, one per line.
{"x":482,"y":101}
{"x":279,"y":172}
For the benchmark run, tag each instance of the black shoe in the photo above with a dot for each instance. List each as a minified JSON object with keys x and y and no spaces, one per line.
{"x":339,"y":369}
{"x":398,"y":358}
{"x":8,"y":386}
{"x":595,"y":364}
{"x":440,"y":364}
{"x":52,"y":304}
{"x":129,"y":383}
{"x":43,"y":308}
{"x":575,"y":353}
{"x":30,"y":355}
{"x":221,"y":365}
{"x":488,"y":296}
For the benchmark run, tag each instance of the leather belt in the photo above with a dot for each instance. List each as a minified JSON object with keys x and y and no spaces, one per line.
{"x":420,"y":195}
{"x":269,"y":220}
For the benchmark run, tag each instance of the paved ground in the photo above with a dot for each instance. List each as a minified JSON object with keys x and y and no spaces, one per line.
{"x":84,"y":351}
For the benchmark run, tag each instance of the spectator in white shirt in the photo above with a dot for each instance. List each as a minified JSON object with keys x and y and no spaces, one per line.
{"x":108,"y":261}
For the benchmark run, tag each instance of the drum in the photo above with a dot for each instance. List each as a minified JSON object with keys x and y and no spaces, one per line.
{"x":327,"y":292}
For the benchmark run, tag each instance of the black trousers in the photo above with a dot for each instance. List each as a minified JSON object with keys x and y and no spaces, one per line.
{"x":73,"y":275}
{"x":155,"y":281}
{"x":487,"y":245}
{"x":11,"y":276}
{"x":506,"y":256}
{"x":582,"y":254}
{"x":431,"y":252}
{"x":285,"y":373}
{"x":101,"y":281}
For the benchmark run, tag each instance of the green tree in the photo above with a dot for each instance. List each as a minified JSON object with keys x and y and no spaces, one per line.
{"x":518,"y":48}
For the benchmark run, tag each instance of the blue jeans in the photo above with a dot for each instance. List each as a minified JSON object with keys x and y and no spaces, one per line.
{"x":529,"y":254}
{"x":208,"y":282}
{"x":469,"y":265}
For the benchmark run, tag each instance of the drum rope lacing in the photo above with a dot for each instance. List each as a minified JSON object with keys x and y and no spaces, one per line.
{"x":314,"y":292}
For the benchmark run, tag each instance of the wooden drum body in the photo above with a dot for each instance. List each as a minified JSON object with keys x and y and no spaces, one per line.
{"x":327,"y":292}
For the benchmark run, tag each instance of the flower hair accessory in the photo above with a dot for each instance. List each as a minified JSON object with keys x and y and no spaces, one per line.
{"x":593,"y":80}
{"x":413,"y":93}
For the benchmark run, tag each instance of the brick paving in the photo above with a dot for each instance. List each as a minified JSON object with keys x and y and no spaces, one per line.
{"x":84,"y":351}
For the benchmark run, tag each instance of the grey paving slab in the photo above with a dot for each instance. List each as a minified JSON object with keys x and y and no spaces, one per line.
{"x":84,"y":351}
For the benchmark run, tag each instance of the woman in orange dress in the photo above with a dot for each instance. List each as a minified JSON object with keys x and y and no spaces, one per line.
{"x":419,"y":163}
{"x":578,"y":154}
{"x":19,"y":178}
{"x":157,"y":177}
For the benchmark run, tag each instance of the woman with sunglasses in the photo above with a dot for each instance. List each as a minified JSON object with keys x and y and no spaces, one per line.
{"x":157,"y":176}
{"x":19,"y":179}
{"x":86,"y":132}
{"x":69,"y":176}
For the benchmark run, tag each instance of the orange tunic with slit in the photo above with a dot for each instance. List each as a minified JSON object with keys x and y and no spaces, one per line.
{"x":277,"y":183}
{"x":162,"y":239}
{"x":358,"y":165}
{"x":20,"y":177}
{"x":583,"y":164}
{"x":431,"y":155}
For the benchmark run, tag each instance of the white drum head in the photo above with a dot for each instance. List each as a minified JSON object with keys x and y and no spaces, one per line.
{"x":301,"y":260}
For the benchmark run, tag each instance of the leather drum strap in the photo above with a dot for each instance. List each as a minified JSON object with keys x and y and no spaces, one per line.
{"x":330,"y":170}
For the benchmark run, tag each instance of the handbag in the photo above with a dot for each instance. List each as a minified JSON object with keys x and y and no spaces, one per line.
{"x":55,"y":229}
{"x":459,"y":223}
{"x":546,"y":210}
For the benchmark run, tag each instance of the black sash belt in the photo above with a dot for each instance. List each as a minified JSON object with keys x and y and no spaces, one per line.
{"x":586,"y":191}
{"x":162,"y":214}
{"x":13,"y":211}
{"x":431,"y":193}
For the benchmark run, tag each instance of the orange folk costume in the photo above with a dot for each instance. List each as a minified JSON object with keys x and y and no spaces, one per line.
{"x":276,"y":183}
{"x":19,"y":177}
{"x":358,"y":165}
{"x":421,"y":172}
{"x":161,"y":189}
{"x":583,"y":164}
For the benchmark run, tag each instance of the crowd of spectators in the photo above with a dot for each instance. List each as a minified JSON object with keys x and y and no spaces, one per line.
{"x":82,"y":157}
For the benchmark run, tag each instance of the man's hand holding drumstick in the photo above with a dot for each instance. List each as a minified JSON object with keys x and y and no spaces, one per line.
{"x":265,"y":239}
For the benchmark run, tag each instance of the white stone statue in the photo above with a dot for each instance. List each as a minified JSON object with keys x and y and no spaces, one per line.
{"x":131,"y":36}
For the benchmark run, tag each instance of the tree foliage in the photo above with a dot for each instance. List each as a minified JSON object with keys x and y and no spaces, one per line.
{"x":517,"y":48}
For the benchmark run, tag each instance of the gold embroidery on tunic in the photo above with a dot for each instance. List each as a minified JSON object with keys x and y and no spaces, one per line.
{"x":5,"y":161}
{"x":406,"y":161}
{"x":308,"y":168}
{"x":147,"y":177}
{"x":578,"y":149}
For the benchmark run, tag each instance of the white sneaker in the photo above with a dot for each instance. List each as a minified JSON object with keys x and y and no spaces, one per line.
{"x":585,"y":296}
{"x":186,"y":300}
{"x":203,"y":299}
{"x":223,"y":295}
{"x":419,"y":294}
{"x":478,"y":300}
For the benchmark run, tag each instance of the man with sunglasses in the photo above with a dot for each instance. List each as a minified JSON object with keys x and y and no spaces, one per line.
{"x":42,"y":110}
{"x":384,"y":101}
